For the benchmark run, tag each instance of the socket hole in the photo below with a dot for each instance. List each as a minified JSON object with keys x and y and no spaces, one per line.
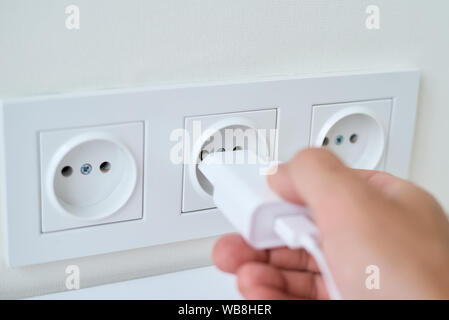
{"x":203,"y":154}
{"x":339,"y":140}
{"x":105,"y":167}
{"x":325,"y":141}
{"x":67,"y":171}
{"x":221,"y":150}
{"x":353,"y":138}
{"x":237,"y":148}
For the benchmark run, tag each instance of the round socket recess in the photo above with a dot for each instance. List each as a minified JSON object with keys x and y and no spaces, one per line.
{"x":235,"y":133}
{"x":91,"y":176}
{"x":355,"y":136}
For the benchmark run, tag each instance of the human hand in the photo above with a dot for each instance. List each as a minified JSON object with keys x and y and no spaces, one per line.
{"x":364,"y":218}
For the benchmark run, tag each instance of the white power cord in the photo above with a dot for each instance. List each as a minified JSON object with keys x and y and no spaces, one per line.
{"x":259,"y":215}
{"x":299,"y":232}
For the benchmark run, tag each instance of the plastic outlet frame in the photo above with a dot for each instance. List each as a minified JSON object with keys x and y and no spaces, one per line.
{"x":194,"y":194}
{"x":163,"y":111}
{"x":357,"y":132}
{"x":80,"y":199}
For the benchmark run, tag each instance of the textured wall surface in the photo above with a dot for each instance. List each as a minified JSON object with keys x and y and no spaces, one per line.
{"x":139,"y":42}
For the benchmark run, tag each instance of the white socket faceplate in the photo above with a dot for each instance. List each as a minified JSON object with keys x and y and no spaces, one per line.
{"x":72,"y":198}
{"x":39,"y":229}
{"x":356,"y":132}
{"x":195,"y":195}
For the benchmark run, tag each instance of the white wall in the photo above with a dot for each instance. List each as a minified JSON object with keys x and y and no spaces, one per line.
{"x":141,"y":42}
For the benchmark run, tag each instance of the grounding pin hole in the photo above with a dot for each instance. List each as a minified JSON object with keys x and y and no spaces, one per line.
{"x":86,"y":169}
{"x":339,"y":140}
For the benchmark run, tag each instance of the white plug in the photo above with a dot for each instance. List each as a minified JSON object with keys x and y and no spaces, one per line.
{"x":242,"y":194}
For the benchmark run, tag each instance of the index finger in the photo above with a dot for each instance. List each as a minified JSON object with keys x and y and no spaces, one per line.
{"x":282,"y":184}
{"x":335,"y":194}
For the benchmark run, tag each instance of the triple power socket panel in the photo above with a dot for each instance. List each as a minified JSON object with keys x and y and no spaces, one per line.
{"x":93,"y":173}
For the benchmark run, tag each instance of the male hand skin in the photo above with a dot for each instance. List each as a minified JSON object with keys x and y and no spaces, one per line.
{"x":364,"y":218}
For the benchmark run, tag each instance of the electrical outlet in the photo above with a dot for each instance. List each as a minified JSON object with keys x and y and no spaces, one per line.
{"x":91,"y":176}
{"x":356,"y":132}
{"x":209,"y":134}
{"x":99,"y":172}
